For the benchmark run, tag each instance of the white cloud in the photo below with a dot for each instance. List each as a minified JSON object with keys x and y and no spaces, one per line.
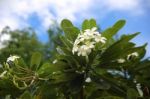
{"x":124,"y":5}
{"x":3,"y":38}
{"x":16,"y":13}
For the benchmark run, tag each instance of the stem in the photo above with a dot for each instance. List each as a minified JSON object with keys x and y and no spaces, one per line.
{"x":87,"y":59}
{"x":82,"y":93}
{"x":67,"y":97}
{"x":125,"y":73}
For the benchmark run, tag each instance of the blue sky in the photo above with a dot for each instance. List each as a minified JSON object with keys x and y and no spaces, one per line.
{"x":39,"y":14}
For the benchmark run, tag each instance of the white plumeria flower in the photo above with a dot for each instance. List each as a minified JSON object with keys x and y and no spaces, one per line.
{"x":103,"y":40}
{"x":75,"y":48}
{"x":54,"y":73}
{"x":86,"y":41}
{"x":90,"y":44}
{"x":0,"y":65}
{"x":80,"y":72}
{"x":83,"y":50}
{"x":12,"y":58}
{"x":134,"y":81}
{"x":100,"y":39}
{"x":121,"y":60}
{"x":91,"y":31}
{"x":88,"y":80}
{"x":138,"y":86}
{"x":134,"y":54}
{"x":81,"y":40}
{"x":55,"y":61}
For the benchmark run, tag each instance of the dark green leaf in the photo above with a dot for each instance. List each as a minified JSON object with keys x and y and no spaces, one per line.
{"x":71,"y":32}
{"x":47,"y":68}
{"x":88,"y":24}
{"x":26,"y":95}
{"x":35,"y":60}
{"x":110,"y":32}
{"x":66,"y":42}
{"x":132,"y":94}
{"x":110,"y":97}
{"x":66,"y":23}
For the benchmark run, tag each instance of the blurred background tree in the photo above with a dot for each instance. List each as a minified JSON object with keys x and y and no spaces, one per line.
{"x":24,"y":42}
{"x":21,"y":42}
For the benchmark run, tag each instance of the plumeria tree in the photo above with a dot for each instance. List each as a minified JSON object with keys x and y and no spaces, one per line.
{"x":88,"y":64}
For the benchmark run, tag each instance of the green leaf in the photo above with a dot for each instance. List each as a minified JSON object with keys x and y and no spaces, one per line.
{"x":61,"y":77}
{"x":88,"y":24}
{"x":115,"y":86}
{"x":70,"y":31}
{"x":35,"y":60}
{"x":47,"y":68}
{"x":99,"y":84}
{"x":47,"y":91}
{"x":21,"y":62}
{"x":110,"y":97}
{"x":100,"y":94}
{"x":92,"y":23}
{"x":110,"y":32}
{"x":66,"y":42}
{"x":8,"y":97}
{"x":132,"y":94}
{"x":26,"y":95}
{"x":44,"y":70}
{"x":141,"y":50}
{"x":129,"y":36}
{"x":85,"y":25}
{"x":7,"y":87}
{"x":144,"y":65}
{"x":66,"y":23}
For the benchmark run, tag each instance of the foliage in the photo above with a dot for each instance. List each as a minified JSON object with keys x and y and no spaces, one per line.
{"x":115,"y":69}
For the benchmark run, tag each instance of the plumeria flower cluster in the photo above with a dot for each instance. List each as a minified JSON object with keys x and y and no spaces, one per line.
{"x":12,"y":58}
{"x":9,"y":59}
{"x":86,"y":41}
